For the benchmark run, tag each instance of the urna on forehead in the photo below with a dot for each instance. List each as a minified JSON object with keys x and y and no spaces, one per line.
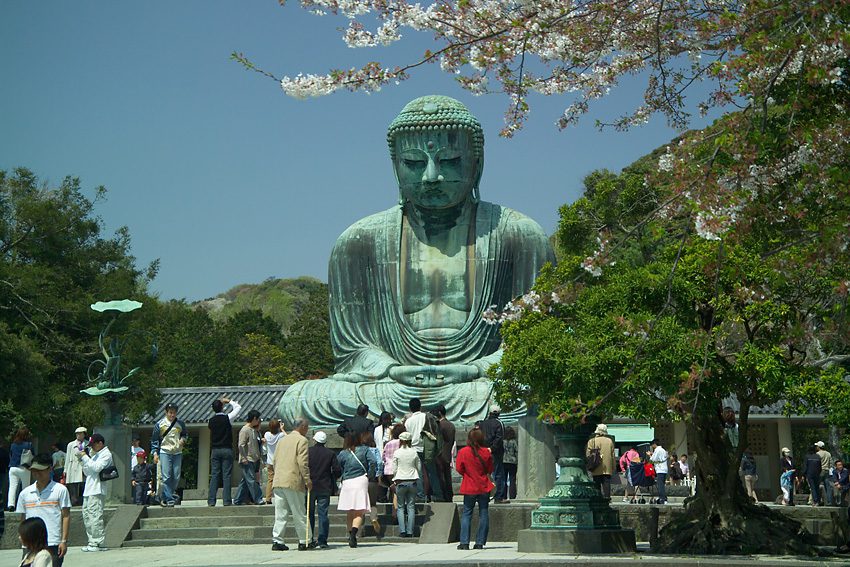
{"x":436,"y":113}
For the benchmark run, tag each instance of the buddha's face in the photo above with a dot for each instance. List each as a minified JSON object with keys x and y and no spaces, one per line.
{"x":435,"y":169}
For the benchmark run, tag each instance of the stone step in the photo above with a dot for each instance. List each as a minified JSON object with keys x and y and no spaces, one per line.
{"x":290,"y":541}
{"x":244,"y":521}
{"x":251,"y":534}
{"x":246,"y":510}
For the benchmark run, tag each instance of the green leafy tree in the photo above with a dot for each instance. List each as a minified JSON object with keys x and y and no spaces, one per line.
{"x":308,"y":343}
{"x":54,"y":263}
{"x":662,"y":310}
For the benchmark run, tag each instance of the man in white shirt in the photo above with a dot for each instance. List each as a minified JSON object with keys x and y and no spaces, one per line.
{"x":94,"y":493}
{"x":414,"y":424}
{"x":50,"y":501}
{"x":658,"y":457}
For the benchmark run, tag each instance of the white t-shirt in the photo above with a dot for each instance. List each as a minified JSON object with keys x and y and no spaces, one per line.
{"x":414,"y":425}
{"x":46,"y":505}
{"x":271,"y":443}
{"x":659,"y":459}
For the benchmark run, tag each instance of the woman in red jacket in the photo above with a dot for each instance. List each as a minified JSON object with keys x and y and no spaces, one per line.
{"x":475,"y":464}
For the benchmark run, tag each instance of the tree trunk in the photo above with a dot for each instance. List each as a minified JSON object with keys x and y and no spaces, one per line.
{"x":721,"y":518}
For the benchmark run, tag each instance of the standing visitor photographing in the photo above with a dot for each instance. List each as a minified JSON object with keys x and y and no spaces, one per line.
{"x":94,"y":493}
{"x":271,"y":437}
{"x":475,"y":465}
{"x":167,"y":441}
{"x":221,"y":452}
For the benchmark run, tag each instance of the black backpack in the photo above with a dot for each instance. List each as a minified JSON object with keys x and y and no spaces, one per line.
{"x":593,"y":459}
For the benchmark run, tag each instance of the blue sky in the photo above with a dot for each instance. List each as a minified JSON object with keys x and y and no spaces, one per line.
{"x":218,"y":173}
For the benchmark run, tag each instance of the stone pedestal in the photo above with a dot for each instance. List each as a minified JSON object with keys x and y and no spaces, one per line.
{"x":118,"y":438}
{"x":574,"y":517}
{"x":536,"y":456}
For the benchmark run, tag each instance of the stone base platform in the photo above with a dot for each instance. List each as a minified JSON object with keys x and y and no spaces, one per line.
{"x":576,"y":541}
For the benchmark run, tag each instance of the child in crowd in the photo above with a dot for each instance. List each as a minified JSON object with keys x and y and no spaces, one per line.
{"x":141,"y":479}
{"x":509,"y":460}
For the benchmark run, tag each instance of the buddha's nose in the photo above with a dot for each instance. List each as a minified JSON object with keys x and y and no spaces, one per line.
{"x":432,"y":172}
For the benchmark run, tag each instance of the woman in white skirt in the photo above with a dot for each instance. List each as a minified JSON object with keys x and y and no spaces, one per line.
{"x":354,"y":460}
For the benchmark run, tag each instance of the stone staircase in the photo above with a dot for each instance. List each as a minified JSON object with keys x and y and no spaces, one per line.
{"x":195,"y":524}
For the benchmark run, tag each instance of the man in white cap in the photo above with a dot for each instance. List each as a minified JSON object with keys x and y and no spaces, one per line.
{"x":74,"y":477}
{"x":48,"y":500}
{"x":825,"y":471}
{"x":324,"y":470}
{"x":600,"y":459}
{"x":494,"y":435}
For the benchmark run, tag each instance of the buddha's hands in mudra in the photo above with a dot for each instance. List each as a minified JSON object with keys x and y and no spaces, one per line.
{"x":428,"y":376}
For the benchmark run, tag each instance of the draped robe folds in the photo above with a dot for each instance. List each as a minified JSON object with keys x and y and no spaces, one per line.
{"x":370,"y":334}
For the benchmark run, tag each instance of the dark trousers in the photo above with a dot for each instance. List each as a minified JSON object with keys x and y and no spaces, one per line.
{"x":140,"y":493}
{"x":499,"y":477}
{"x":660,"y":484}
{"x":320,"y":503}
{"x":249,"y":489}
{"x":814,"y":486}
{"x":221,"y":469}
{"x":469,"y":502}
{"x":510,"y":479}
{"x":436,"y":489}
{"x":444,"y":470}
{"x":603,"y":483}
{"x":75,"y":491}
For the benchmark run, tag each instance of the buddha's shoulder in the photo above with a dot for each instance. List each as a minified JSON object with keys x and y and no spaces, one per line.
{"x":368,"y":227}
{"x":514,"y":221}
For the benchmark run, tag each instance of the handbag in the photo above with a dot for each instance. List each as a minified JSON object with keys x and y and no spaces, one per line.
{"x":109,"y":473}
{"x":26,"y":458}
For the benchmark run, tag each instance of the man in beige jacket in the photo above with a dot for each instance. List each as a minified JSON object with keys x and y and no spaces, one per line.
{"x":603,"y":471}
{"x":291,"y":481}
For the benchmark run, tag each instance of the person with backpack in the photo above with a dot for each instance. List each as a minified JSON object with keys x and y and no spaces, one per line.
{"x":494,"y":438}
{"x":599,"y":455}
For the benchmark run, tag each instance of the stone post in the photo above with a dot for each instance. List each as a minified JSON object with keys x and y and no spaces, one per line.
{"x":574,"y":517}
{"x":118,"y":438}
{"x":536,"y":457}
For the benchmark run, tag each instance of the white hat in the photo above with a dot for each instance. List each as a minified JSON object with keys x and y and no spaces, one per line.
{"x":320,"y":437}
{"x":820,"y":444}
{"x":81,"y":430}
{"x":786,"y":450}
{"x":495,"y":408}
{"x":405,"y":436}
{"x":601,"y":429}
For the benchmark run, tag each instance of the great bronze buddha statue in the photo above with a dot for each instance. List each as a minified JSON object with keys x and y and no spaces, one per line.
{"x":409,"y":285}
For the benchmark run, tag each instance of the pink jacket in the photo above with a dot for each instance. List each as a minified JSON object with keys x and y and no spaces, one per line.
{"x":627,"y":458}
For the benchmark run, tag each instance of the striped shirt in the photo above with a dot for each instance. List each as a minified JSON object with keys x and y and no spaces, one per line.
{"x":46,"y":505}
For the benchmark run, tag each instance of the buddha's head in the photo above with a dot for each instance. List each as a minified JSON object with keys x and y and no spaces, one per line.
{"x":437,"y":149}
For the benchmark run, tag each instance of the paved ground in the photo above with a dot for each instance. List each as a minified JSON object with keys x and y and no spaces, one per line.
{"x":391,"y":555}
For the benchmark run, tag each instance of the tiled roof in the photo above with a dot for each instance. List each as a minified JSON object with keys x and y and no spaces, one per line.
{"x":775,"y":409}
{"x":194,"y":403}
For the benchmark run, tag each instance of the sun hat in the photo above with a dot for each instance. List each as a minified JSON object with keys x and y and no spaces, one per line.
{"x":320,"y":437}
{"x":601,"y":429}
{"x":405,"y":436}
{"x":81,"y":430}
{"x":41,"y":462}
